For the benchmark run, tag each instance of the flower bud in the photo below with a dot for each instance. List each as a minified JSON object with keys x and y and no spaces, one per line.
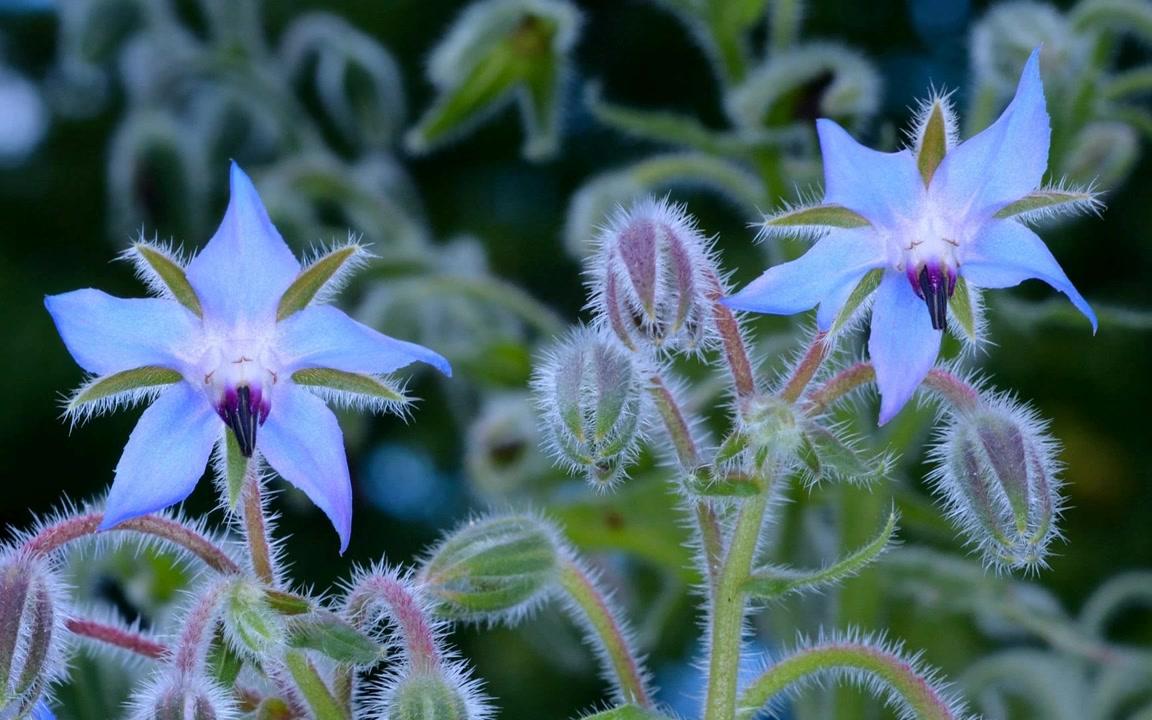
{"x":494,"y":568}
{"x":1102,"y":154}
{"x":503,"y":456}
{"x":1004,"y":38}
{"x":252,"y":626}
{"x":31,"y":632}
{"x":589,"y":394}
{"x":997,"y":475}
{"x":426,"y":697}
{"x":772,"y":428}
{"x":183,"y":698}
{"x":652,"y":275}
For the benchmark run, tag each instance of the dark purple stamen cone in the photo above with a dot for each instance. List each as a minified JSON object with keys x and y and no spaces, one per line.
{"x":241,"y":413}
{"x":936,"y":287}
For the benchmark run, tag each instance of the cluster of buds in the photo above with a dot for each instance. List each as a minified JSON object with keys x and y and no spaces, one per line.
{"x":996,"y":471}
{"x":31,"y":632}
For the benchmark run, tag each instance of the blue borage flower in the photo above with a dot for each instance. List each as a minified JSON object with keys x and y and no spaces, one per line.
{"x":931,"y":225}
{"x":232,"y":344}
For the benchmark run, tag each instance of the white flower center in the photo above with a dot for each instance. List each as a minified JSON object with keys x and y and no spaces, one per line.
{"x":237,"y":374}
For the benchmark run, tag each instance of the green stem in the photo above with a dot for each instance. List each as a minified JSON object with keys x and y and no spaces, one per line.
{"x":255,"y":529}
{"x":312,"y":687}
{"x":727,"y":616}
{"x":689,"y":458}
{"x":915,"y":691}
{"x":601,"y":619}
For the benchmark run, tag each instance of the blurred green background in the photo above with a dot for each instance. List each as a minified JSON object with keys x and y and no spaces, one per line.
{"x":59,"y":230}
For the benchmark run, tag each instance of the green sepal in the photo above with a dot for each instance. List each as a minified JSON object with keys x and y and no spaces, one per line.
{"x":235,"y":469}
{"x":731,"y":484}
{"x":964,"y":304}
{"x":273,"y":708}
{"x":171,"y":274}
{"x":730,"y":449}
{"x":626,"y":712}
{"x":313,"y":278}
{"x":250,"y":621}
{"x":327,"y":634}
{"x":121,"y":382}
{"x":224,"y":664}
{"x":771,"y":582}
{"x":933,"y":143}
{"x":1046,"y":199}
{"x":864,"y":288}
{"x":373,"y":387}
{"x":833,"y":458}
{"x":287,"y":603}
{"x":817,"y":216}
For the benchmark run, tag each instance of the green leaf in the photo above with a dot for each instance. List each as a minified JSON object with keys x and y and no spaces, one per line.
{"x":328,"y":634}
{"x":311,"y":686}
{"x":171,"y":274}
{"x":223,"y":663}
{"x":839,"y":460}
{"x":1049,"y":199}
{"x":864,"y":288}
{"x":235,"y":469}
{"x":933,"y":143}
{"x":965,"y":306}
{"x":314,"y":278}
{"x":287,"y":603}
{"x":121,"y":382}
{"x":733,"y":445}
{"x":379,"y":389}
{"x":817,"y":216}
{"x":772,"y":581}
{"x":665,"y":127}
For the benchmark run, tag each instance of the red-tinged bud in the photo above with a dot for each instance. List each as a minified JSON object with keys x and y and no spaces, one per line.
{"x":652,"y":276}
{"x":31,"y":632}
{"x":997,"y":474}
{"x":179,"y":697}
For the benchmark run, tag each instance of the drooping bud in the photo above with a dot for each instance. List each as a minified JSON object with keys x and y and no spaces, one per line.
{"x":652,"y":276}
{"x":492,"y":569}
{"x":997,"y":475}
{"x":31,"y":632}
{"x":503,"y":456}
{"x":426,"y":697}
{"x":589,"y":392}
{"x":179,"y":697}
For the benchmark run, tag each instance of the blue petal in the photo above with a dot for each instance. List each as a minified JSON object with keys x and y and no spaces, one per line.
{"x":165,"y":455}
{"x":245,"y":268}
{"x":1004,"y":162}
{"x":833,"y":303}
{"x":107,"y":334}
{"x":903,"y":346}
{"x":302,"y":442}
{"x":1007,"y":253}
{"x":42,"y":712}
{"x":841,"y":257}
{"x":880,"y":186}
{"x":323,"y":336}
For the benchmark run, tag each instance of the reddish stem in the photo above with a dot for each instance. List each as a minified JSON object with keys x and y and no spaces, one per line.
{"x":405,"y":612}
{"x":960,"y":394}
{"x":56,"y":535}
{"x":733,"y":341}
{"x":119,"y":637}
{"x":805,"y":369}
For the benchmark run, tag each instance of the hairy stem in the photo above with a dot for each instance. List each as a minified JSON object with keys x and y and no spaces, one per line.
{"x":602,"y":620}
{"x":422,"y":650}
{"x":914,"y":690}
{"x":199,"y":625}
{"x":732,"y":340}
{"x":52,"y":537}
{"x":727,"y":613}
{"x":805,"y":369}
{"x":689,"y":458}
{"x":959,"y":393}
{"x":121,"y":638}
{"x":255,"y":528}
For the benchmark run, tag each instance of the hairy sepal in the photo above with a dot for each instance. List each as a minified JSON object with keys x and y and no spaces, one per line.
{"x":162,"y":271}
{"x":119,"y":390}
{"x":1050,"y":202}
{"x":354,"y":390}
{"x":811,"y":221}
{"x":322,"y":278}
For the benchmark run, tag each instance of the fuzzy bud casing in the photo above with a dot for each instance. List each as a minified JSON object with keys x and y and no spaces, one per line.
{"x":426,"y":697}
{"x":590,"y":396}
{"x":997,"y":474}
{"x":31,"y":632}
{"x":772,"y":428}
{"x":652,"y":276}
{"x":495,"y":568}
{"x":183,"y":698}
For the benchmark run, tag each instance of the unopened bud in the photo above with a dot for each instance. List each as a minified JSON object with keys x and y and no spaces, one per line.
{"x":31,"y":632}
{"x":589,"y":394}
{"x":997,"y":474}
{"x":1004,"y":38}
{"x":499,"y":567}
{"x":183,"y":698}
{"x":772,"y":428}
{"x":503,"y":456}
{"x":652,"y":277}
{"x":251,"y":624}
{"x":426,"y":697}
{"x":1102,"y":154}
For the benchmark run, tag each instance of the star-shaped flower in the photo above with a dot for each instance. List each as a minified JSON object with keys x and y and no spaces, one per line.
{"x":234,"y":351}
{"x":929,"y":225}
